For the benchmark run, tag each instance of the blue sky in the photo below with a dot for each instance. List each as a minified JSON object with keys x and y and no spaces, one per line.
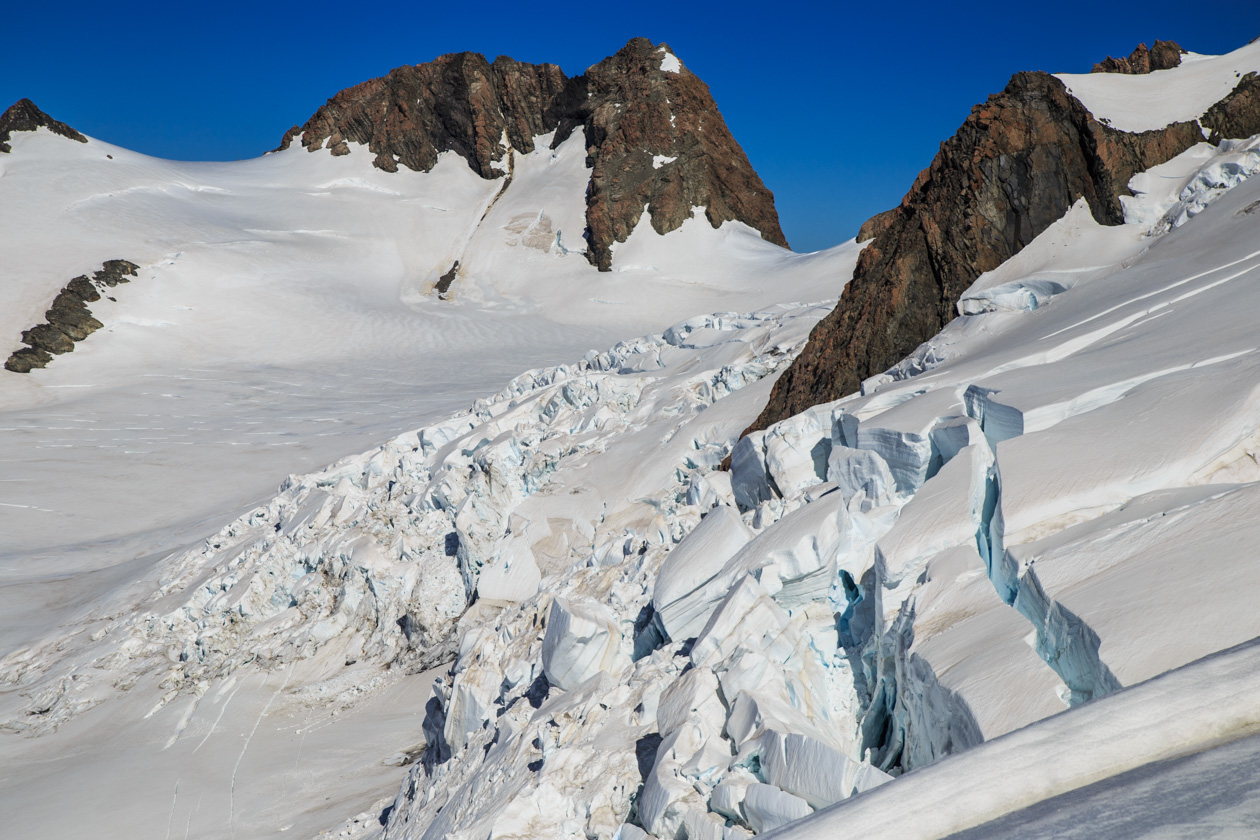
{"x":837,"y":105}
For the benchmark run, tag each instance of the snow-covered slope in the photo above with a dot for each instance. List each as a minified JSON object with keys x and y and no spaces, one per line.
{"x":283,"y":316}
{"x":995,"y":531}
{"x":1109,"y":432}
{"x":949,"y":603}
{"x":335,"y":597}
{"x":1154,"y":100}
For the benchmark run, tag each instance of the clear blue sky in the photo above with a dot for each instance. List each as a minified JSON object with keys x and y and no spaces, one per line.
{"x":837,"y":105}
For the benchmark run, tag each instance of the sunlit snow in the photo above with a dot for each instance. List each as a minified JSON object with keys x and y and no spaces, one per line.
{"x":542,"y":607}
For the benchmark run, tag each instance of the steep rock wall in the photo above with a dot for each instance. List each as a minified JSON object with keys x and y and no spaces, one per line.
{"x":636,"y":112}
{"x":1014,"y":167}
{"x":458,"y":102}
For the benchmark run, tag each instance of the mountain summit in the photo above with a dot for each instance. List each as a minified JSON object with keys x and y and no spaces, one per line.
{"x":24,"y":116}
{"x":655,"y":139}
{"x":1014,"y":167}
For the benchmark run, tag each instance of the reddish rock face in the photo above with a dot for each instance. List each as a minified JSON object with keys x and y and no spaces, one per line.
{"x":1165,"y":55}
{"x":876,"y":225}
{"x":1015,"y":166}
{"x":631,"y":110}
{"x":24,"y":116}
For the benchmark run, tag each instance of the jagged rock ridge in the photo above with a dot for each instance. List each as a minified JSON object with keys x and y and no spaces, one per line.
{"x":458,"y":102}
{"x":654,"y":135}
{"x":24,"y":116}
{"x":1237,"y":115}
{"x":1165,"y":55}
{"x":69,"y":319}
{"x":1016,"y":165}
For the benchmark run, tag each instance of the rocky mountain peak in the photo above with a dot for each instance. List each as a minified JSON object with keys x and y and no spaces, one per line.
{"x":458,"y":102}
{"x":654,"y":135}
{"x":23,"y":115}
{"x":656,"y":139}
{"x":1165,"y":55}
{"x":1015,"y":166}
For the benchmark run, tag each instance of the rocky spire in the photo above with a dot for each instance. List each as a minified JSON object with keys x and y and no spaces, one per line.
{"x":24,"y":116}
{"x":1015,"y":166}
{"x":654,"y":135}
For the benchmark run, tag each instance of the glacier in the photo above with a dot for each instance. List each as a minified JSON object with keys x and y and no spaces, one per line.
{"x":579,"y":604}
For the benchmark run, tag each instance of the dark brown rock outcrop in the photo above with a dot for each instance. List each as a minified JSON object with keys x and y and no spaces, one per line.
{"x":459,"y":102}
{"x":24,"y":116}
{"x":1015,"y":166}
{"x":1237,"y":116}
{"x":1165,"y":55}
{"x":633,"y":112}
{"x":69,"y":319}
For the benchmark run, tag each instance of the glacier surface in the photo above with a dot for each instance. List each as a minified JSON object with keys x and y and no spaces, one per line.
{"x":1015,"y":569}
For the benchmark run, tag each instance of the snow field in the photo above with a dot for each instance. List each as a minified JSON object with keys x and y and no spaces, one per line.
{"x":284,"y":317}
{"x":1154,"y":100}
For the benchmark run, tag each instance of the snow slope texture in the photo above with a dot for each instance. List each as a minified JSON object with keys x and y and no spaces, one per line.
{"x":1154,"y":100}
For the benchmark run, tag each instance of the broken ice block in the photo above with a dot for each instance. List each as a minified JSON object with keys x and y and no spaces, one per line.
{"x":582,"y":639}
{"x":769,"y":807}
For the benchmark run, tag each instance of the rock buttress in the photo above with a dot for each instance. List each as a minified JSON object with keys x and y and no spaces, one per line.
{"x":458,"y":102}
{"x":1015,"y":166}
{"x":69,"y":319}
{"x":656,"y":139}
{"x":1237,"y":116}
